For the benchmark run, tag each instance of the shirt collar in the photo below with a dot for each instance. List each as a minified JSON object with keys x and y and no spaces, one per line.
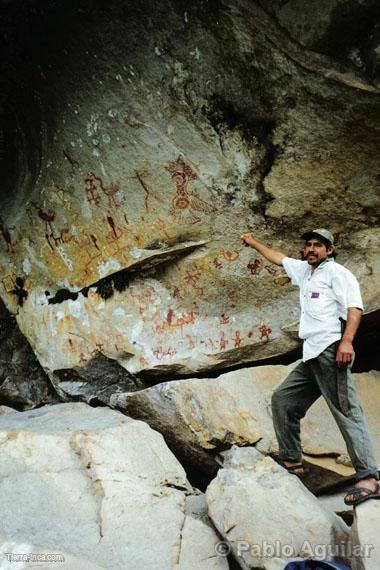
{"x":327,"y":260}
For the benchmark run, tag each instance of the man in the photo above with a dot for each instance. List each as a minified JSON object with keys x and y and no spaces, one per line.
{"x":331,"y":308}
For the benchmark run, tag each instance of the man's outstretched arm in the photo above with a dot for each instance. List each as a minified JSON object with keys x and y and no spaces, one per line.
{"x":270,"y":254}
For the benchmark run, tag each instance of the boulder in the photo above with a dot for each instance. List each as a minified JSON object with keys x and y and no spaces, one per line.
{"x":267,"y":517}
{"x":75,"y":480}
{"x":365,"y":536}
{"x":202,"y":417}
{"x":28,"y":555}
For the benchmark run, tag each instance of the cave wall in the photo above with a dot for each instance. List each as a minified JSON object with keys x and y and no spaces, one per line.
{"x":139,"y":142}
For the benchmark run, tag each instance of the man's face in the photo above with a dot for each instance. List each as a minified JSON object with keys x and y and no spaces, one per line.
{"x":315,"y":251}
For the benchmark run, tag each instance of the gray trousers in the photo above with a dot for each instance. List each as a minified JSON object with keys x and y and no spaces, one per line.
{"x":291,"y":400}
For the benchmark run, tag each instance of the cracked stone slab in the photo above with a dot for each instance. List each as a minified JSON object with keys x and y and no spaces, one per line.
{"x":101,"y":487}
{"x":254,"y":502}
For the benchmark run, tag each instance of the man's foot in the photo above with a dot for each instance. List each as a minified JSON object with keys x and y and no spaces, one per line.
{"x":293,"y":467}
{"x":364,"y":489}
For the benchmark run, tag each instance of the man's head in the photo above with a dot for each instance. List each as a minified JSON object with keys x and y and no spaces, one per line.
{"x":319,"y":245}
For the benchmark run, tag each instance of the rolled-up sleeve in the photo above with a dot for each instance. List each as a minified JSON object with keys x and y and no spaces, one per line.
{"x":295,"y":269}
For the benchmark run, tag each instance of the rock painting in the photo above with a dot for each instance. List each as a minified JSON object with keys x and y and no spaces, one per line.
{"x":94,"y":186}
{"x":226,"y":258}
{"x":7,"y":237}
{"x":139,"y":176}
{"x":9,"y":282}
{"x":237,"y":339}
{"x":224,"y":319}
{"x":91,"y":188}
{"x":265,"y":332}
{"x":255,"y":266}
{"x":55,"y":238}
{"x":47,"y":217}
{"x":161,"y":353}
{"x":186,"y":204}
{"x":192,"y":278}
{"x":173,"y":322}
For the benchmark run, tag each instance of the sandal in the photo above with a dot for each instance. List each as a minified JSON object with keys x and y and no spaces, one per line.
{"x":358,"y":497}
{"x":296,"y":469}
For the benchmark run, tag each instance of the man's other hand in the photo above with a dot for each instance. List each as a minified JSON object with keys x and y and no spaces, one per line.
{"x":344,"y":353}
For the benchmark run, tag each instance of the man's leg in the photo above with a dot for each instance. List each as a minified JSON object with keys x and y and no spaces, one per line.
{"x":290,"y":402}
{"x":353,"y":425}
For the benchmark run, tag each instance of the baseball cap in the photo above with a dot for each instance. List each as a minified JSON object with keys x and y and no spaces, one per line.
{"x":321,"y":232}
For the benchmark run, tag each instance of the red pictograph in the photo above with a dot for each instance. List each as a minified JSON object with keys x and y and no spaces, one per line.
{"x":186,"y":204}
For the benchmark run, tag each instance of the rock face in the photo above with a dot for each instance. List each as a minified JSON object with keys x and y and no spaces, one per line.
{"x":266,"y":516}
{"x":154,"y":136}
{"x":73,"y":479}
{"x":23,"y":383}
{"x":201,"y":417}
{"x":95,"y":381}
{"x":337,"y":28}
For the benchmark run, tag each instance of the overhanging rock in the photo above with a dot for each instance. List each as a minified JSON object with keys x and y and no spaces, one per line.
{"x":184,"y":126}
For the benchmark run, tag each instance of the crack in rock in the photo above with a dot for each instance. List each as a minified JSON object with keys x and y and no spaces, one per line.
{"x":96,"y":485}
{"x":119,"y":280}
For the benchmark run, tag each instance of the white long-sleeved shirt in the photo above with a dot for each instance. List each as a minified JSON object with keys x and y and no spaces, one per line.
{"x":325,"y":296}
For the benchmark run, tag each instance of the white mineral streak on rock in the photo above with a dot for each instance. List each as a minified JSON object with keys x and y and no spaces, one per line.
{"x":93,"y":125}
{"x":110,"y":266}
{"x":136,"y":253}
{"x":74,"y":308}
{"x":26,"y":267}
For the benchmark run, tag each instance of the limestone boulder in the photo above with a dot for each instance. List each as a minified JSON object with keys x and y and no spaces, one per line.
{"x":27,"y":555}
{"x":101,"y":487}
{"x":266,"y":516}
{"x":200,"y":418}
